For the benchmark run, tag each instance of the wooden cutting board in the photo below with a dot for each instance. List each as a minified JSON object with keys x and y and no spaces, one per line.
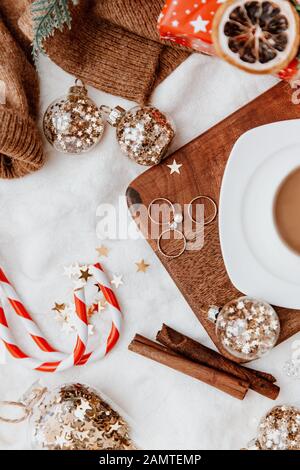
{"x":201,"y":275}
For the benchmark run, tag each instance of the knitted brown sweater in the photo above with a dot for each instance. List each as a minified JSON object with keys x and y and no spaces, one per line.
{"x":114,"y":45}
{"x":20,"y":145}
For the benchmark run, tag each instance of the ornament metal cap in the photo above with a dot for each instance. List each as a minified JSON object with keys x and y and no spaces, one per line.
{"x":78,"y":89}
{"x":113,"y":115}
{"x":212,"y":313}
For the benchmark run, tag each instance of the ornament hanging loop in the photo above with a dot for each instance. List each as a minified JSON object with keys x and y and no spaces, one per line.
{"x":26,"y":406}
{"x":79,"y":82}
{"x":105,"y":109}
{"x":15,"y":404}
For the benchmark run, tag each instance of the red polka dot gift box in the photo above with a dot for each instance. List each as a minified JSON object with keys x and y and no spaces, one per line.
{"x":189,"y":23}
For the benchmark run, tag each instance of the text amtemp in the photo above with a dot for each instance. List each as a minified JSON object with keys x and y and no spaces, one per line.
{"x":150,"y":459}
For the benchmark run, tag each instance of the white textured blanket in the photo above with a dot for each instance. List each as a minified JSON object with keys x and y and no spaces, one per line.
{"x":48,"y":220}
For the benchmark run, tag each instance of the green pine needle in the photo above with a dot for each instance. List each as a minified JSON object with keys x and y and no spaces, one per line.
{"x":296,"y":5}
{"x":48,"y":15}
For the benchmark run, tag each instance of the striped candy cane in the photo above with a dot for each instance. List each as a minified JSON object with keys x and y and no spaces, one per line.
{"x":115,"y":313}
{"x":59,"y":360}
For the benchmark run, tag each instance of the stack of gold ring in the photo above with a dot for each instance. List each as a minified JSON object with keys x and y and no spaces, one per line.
{"x":177,"y":219}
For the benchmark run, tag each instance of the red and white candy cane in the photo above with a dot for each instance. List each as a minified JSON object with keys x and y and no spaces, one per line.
{"x":115,"y":314}
{"x":59,"y":360}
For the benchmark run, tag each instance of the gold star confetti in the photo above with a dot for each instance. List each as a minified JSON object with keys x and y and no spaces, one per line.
{"x":85,"y":274}
{"x":67,"y":318}
{"x":59,"y":307}
{"x":97,"y":306}
{"x":65,"y":313}
{"x":142,"y":266}
{"x":117,"y":281}
{"x":93,"y":309}
{"x":175,"y":167}
{"x":102,"y":251}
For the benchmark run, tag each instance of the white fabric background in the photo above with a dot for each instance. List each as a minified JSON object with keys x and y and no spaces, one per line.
{"x":48,"y":220}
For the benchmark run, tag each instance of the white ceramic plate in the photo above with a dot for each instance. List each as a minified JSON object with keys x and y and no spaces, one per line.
{"x":258,"y":262}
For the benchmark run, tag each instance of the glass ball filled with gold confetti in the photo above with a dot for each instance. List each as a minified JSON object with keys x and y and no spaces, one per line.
{"x":76,"y":417}
{"x":73,"y":124}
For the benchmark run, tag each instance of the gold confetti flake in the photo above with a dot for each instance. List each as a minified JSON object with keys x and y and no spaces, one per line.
{"x":85,"y":274}
{"x":58,"y":307}
{"x":102,"y":251}
{"x":142,"y":266}
{"x":92,"y":309}
{"x":96,"y":307}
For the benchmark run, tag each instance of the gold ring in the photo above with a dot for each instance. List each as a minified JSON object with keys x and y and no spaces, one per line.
{"x":160,"y":248}
{"x":159,"y":199}
{"x":214,"y":215}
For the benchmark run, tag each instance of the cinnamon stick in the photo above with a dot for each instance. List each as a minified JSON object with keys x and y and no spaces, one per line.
{"x":195,"y":351}
{"x":234,"y":386}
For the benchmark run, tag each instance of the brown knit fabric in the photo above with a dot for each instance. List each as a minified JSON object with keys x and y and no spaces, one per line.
{"x":20,"y":145}
{"x":114,"y":45}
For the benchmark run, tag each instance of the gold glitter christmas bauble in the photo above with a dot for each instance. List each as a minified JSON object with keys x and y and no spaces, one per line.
{"x":280,"y":429}
{"x":73,"y":124}
{"x":75,"y":417}
{"x":247,"y":328}
{"x":144,"y":133}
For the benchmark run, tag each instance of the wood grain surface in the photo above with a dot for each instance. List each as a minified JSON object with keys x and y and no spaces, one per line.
{"x":201,"y":275}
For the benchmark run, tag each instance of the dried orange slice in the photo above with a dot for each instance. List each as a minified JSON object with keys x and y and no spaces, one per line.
{"x":258,"y":36}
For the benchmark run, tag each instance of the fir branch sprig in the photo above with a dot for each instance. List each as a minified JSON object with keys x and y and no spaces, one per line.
{"x":296,"y":5}
{"x":47,"y":16}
